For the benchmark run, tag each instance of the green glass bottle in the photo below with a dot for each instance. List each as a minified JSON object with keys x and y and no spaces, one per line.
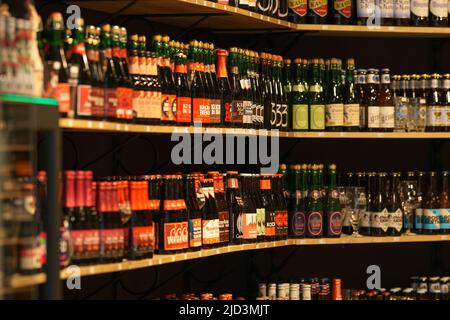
{"x":334,"y":110}
{"x":314,"y":216}
{"x":299,"y":98}
{"x":333,"y":217}
{"x":351,"y":101}
{"x":316,"y":98}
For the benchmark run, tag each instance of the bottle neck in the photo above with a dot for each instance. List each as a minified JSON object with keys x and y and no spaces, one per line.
{"x":222,"y":66}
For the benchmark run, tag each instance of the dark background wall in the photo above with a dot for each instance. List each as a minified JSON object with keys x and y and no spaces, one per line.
{"x":239,"y":272}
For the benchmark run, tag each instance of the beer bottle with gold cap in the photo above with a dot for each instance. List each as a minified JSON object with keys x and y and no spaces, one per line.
{"x":373,"y":106}
{"x":435,"y":105}
{"x":351,"y":103}
{"x":299,"y":99}
{"x":316,"y":99}
{"x":334,"y":109}
{"x":314,"y":211}
{"x":387,"y":109}
{"x":333,"y":217}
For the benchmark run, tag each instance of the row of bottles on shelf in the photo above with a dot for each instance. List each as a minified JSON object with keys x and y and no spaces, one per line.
{"x":344,"y":12}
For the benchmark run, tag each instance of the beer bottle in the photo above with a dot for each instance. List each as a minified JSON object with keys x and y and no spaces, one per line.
{"x":439,"y":13}
{"x":316,"y":99}
{"x":80,"y":74}
{"x":333,"y":217}
{"x":211,"y":76}
{"x":299,"y":99}
{"x":80,"y":238}
{"x":418,"y":211}
{"x":314,"y":215}
{"x":222,"y":209}
{"x":394,"y":207}
{"x":419,"y":13}
{"x":281,"y":212}
{"x":125,"y":98}
{"x":387,"y":109}
{"x":334,"y":109}
{"x":260,"y":209}
{"x":249,"y":222}
{"x":379,"y":212}
{"x":194,"y":207}
{"x":424,"y":86}
{"x":224,"y":89}
{"x":387,"y":12}
{"x":92,"y":219}
{"x":365,"y":11}
{"x":110,"y":78}
{"x":206,"y":102}
{"x":373,"y":105}
{"x":183,"y":95}
{"x":298,"y":205}
{"x":168,"y":90}
{"x":404,"y":81}
{"x":210,"y":217}
{"x":137,"y":74}
{"x":56,"y":84}
{"x":435,"y":114}
{"x":317,"y":11}
{"x":413,"y":86}
{"x":351,"y":103}
{"x":198,"y":89}
{"x":444,"y":204}
{"x":341,"y":12}
{"x":266,"y":91}
{"x":269,"y":207}
{"x":247,"y":96}
{"x":138,"y":235}
{"x":154,"y":203}
{"x":297,"y":11}
{"x":362,"y":98}
{"x":235,"y":207}
{"x":257,"y":92}
{"x":365,"y":217}
{"x":446,"y":101}
{"x":430,"y":219}
{"x":283,"y":100}
{"x":238,"y":98}
{"x":395,"y":84}
{"x":402,"y":12}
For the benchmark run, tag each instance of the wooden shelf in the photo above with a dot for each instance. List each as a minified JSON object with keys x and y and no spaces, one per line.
{"x":105,"y":126}
{"x":18,"y":281}
{"x":184,"y":13}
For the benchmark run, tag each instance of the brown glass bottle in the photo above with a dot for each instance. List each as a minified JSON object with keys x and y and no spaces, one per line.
{"x":92,"y":219}
{"x":194,"y":206}
{"x":379,"y":212}
{"x":362,"y":95}
{"x":444,"y":204}
{"x":435,"y":106}
{"x":387,"y":108}
{"x":224,"y":88}
{"x":372,"y":100}
{"x":235,"y":207}
{"x":431,"y":222}
{"x":394,"y":207}
{"x":418,"y":212}
{"x":446,"y":101}
{"x":317,"y":11}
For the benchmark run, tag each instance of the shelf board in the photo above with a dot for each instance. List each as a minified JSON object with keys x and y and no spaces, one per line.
{"x":17,"y":281}
{"x":185,"y":13}
{"x":80,"y":125}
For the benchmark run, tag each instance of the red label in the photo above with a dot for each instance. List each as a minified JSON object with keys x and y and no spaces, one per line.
{"x":110,"y":102}
{"x":124,"y":103}
{"x":175,"y":235}
{"x":201,"y":110}
{"x":315,"y":223}
{"x":84,"y":106}
{"x":228,"y":112}
{"x":62,"y":94}
{"x":79,"y":49}
{"x":167,"y":106}
{"x":224,"y":226}
{"x":76,"y":237}
{"x":154,"y":204}
{"x":249,"y":226}
{"x":116,"y":52}
{"x":143,"y":237}
{"x":300,"y":7}
{"x":183,"y":114}
{"x":335,"y":223}
{"x":195,"y":232}
{"x":344,"y":7}
{"x":215,"y":110}
{"x":320,"y":7}
{"x":113,"y":239}
{"x":91,"y":241}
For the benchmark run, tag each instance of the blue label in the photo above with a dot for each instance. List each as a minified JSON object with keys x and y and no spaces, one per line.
{"x":418,"y":217}
{"x":445,"y":219}
{"x":431,"y":219}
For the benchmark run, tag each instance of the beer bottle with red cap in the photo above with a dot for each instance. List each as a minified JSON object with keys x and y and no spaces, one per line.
{"x":183,"y":100}
{"x":110,"y":74}
{"x":235,"y":207}
{"x":314,"y":215}
{"x":333,"y":218}
{"x":224,"y":88}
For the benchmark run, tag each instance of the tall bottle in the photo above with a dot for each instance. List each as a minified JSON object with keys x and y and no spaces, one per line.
{"x":314,"y":215}
{"x":365,"y":12}
{"x":364,"y":219}
{"x":168,"y":103}
{"x":446,"y":100}
{"x":194,"y":207}
{"x":317,"y":11}
{"x":334,"y":109}
{"x":435,"y":108}
{"x":222,"y":208}
{"x":386,"y":12}
{"x":351,"y":101}
{"x":418,"y":212}
{"x":249,"y":217}
{"x":361,"y":83}
{"x":260,"y":208}
{"x":297,"y":11}
{"x":316,"y":99}
{"x":95,"y":68}
{"x":110,"y":74}
{"x":439,"y":13}
{"x":269,"y":208}
{"x":387,"y":108}
{"x":283,"y":99}
{"x":333,"y":217}
{"x":183,"y":95}
{"x":419,"y":13}
{"x":92,"y":219}
{"x":379,"y":215}
{"x":235,"y":207}
{"x":402,"y":12}
{"x":216,"y":111}
{"x":126,"y":89}
{"x":373,"y":105}
{"x":224,"y":88}
{"x":394,"y":207}
{"x":444,"y":204}
{"x":210,"y":216}
{"x":430,"y":221}
{"x":299,"y":99}
{"x":238,"y":98}
{"x":341,"y":11}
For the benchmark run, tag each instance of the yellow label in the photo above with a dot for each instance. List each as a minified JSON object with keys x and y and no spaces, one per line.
{"x":300,"y":117}
{"x":317,"y":116}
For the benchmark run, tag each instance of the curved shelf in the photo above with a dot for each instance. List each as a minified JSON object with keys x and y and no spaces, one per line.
{"x":80,"y":125}
{"x":218,"y":17}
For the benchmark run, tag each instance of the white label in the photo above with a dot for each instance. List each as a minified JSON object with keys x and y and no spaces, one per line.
{"x":365,"y":8}
{"x":435,"y":116}
{"x":380,"y":220}
{"x":439,"y":8}
{"x":334,"y":115}
{"x":374,"y":116}
{"x":419,"y":8}
{"x":387,"y":8}
{"x":395,"y":220}
{"x":210,"y":230}
{"x":446,"y":118}
{"x":372,"y":78}
{"x":402,"y":9}
{"x":351,"y":115}
{"x":364,"y":219}
{"x":387,"y":115}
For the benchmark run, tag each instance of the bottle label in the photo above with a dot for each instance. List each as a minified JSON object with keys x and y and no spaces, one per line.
{"x":300,"y":7}
{"x":402,"y":9}
{"x":261,"y":221}
{"x":347,"y":220}
{"x":344,"y":7}
{"x":387,"y":8}
{"x":279,"y":222}
{"x":300,"y":117}
{"x":270,"y":223}
{"x":395,"y":220}
{"x":335,"y":223}
{"x":365,"y":8}
{"x":228,"y":107}
{"x":319,"y":7}
{"x":298,"y":223}
{"x":334,"y":115}
{"x":143,"y":238}
{"x":284,"y":116}
{"x":183,"y":114}
{"x":431,"y":219}
{"x":112,"y":241}
{"x":84,"y":107}
{"x":315,"y":223}
{"x":124,"y":102}
{"x":435,"y":116}
{"x":439,"y":8}
{"x":351,"y":115}
{"x":249,"y":226}
{"x":210,"y":231}
{"x":418,"y":217}
{"x":247,"y":112}
{"x":138,"y":103}
{"x":379,"y":220}
{"x":237,"y":111}
{"x":387,"y":117}
{"x":224,"y":226}
{"x":317,"y":120}
{"x":31,"y":257}
{"x":154,"y":110}
{"x":374,"y":117}
{"x":419,"y":8}
{"x":215,"y":111}
{"x":364,"y":219}
{"x":91,"y":241}
{"x":195,"y":232}
{"x":444,"y":219}
{"x":110,"y":102}
{"x":167,"y":105}
{"x":62,"y":94}
{"x":175,"y":235}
